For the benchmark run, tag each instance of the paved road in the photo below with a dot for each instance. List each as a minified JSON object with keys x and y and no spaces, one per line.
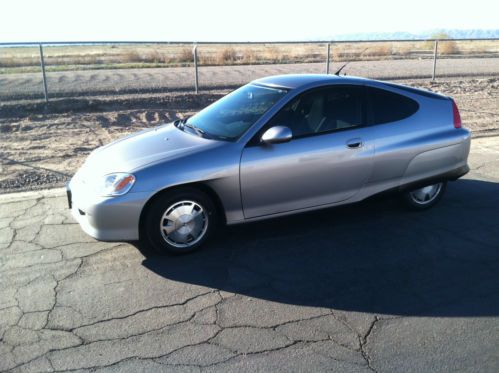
{"x":365,"y":288}
{"x":92,"y":82}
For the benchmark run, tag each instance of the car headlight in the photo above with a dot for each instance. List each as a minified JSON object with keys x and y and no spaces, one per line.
{"x":115,"y":184}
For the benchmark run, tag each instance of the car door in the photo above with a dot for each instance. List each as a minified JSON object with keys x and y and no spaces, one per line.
{"x":328,"y":160}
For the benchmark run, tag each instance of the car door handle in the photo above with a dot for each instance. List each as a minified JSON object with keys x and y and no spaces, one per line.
{"x":354,"y":143}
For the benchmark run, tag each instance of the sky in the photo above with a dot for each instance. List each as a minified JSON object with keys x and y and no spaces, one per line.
{"x":232,"y":20}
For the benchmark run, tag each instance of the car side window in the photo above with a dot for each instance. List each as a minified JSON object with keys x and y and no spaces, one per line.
{"x":386,"y":106}
{"x":322,"y":110}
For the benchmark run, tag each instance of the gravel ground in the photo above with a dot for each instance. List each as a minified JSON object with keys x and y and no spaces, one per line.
{"x":92,"y":82}
{"x":42,"y":147}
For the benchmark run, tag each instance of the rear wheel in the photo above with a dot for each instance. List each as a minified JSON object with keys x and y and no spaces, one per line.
{"x":425,"y":197}
{"x":180,"y":221}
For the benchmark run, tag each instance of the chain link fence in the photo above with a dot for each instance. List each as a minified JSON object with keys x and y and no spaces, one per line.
{"x":52,"y":70}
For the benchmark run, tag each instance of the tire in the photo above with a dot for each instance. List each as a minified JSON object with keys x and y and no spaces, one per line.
{"x":180,"y":221}
{"x":424,"y":198}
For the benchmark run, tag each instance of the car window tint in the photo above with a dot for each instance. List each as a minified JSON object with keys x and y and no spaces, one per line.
{"x":322,"y":110}
{"x":344,"y":108}
{"x":388,"y":107}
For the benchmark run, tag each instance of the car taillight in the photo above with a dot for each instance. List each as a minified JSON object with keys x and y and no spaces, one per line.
{"x":456,"y":115}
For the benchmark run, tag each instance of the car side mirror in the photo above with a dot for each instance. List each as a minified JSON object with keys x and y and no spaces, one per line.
{"x":276,"y":135}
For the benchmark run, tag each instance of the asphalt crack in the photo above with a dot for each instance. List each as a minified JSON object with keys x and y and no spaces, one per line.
{"x":363,"y":343}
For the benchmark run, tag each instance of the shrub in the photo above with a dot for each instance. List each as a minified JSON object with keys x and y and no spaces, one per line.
{"x":185,"y":55}
{"x":444,"y":47}
{"x":227,"y":55}
{"x":154,"y":57}
{"x":448,"y":47}
{"x":132,"y":56}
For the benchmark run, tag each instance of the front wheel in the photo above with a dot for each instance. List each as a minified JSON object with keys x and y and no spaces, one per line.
{"x":425,"y":197}
{"x":180,"y":221}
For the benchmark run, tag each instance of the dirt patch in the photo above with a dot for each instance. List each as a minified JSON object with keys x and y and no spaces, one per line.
{"x":107,"y":103}
{"x":42,"y":146}
{"x":477,"y":99}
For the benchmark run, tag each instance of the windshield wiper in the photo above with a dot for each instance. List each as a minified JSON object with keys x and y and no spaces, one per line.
{"x":182,"y":123}
{"x":198,"y":130}
{"x":179,"y":122}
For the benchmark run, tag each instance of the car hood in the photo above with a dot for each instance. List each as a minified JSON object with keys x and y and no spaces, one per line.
{"x":144,"y":148}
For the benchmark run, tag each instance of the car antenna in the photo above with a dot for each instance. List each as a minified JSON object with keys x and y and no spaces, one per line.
{"x":337,"y":73}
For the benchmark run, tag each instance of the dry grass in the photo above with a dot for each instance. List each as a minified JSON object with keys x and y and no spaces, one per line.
{"x":13,"y":57}
{"x":227,"y":56}
{"x":362,"y":51}
{"x":380,"y":50}
{"x":10,"y":61}
{"x":404,"y":49}
{"x":444,"y":47}
{"x":250,"y":56}
{"x":448,"y":47}
{"x":154,"y":57}
{"x":157,"y":56}
{"x":185,"y":55}
{"x":143,"y":55}
{"x":132,"y":56}
{"x":272,"y":54}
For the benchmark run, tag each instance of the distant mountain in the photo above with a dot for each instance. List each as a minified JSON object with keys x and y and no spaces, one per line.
{"x":453,"y":33}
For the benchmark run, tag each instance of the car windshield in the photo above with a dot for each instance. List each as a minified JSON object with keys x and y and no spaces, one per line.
{"x":229,"y":117}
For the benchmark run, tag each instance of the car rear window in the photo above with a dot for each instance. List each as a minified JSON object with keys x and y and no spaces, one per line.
{"x":386,"y":107}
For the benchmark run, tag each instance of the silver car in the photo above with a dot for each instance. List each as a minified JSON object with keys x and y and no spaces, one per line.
{"x":277,"y":146}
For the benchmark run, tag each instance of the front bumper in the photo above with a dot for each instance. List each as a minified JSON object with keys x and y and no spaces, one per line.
{"x":106,"y":218}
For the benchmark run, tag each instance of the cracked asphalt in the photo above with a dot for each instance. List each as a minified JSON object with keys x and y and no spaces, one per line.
{"x":369,"y":287}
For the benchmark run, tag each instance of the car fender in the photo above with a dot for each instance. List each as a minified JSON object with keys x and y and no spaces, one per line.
{"x":436,"y":161}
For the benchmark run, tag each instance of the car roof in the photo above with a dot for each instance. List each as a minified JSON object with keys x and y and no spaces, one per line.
{"x":292,"y":81}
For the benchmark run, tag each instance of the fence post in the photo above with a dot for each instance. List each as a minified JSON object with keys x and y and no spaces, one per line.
{"x":328,"y":57}
{"x":42,"y":64}
{"x":435,"y":53}
{"x":195,"y":56}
